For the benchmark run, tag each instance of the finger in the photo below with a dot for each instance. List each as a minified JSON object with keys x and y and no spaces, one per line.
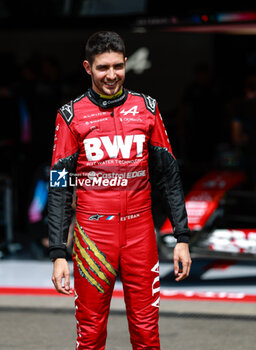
{"x":185,"y":270}
{"x":64,"y":291}
{"x":180,"y":277}
{"x":176,"y":266}
{"x":67,"y":283}
{"x":189,"y":267}
{"x":59,"y":287}
{"x":183,"y":273}
{"x":53,"y":281}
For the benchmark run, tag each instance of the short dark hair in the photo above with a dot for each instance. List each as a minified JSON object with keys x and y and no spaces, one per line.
{"x":103,"y":41}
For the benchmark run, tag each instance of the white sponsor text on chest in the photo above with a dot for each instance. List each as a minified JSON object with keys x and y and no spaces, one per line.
{"x":94,"y":150}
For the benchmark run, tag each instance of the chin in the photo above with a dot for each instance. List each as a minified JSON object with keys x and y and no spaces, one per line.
{"x":113,"y":91}
{"x":108,"y":92}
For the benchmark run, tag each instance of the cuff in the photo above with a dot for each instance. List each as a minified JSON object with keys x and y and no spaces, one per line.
{"x":183,"y":238}
{"x":56,"y":253}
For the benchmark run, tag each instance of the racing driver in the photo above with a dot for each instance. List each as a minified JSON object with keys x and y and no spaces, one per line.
{"x":111,"y":139}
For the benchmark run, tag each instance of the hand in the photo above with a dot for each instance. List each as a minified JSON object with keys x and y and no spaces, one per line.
{"x":181,"y":254}
{"x":60,"y":271}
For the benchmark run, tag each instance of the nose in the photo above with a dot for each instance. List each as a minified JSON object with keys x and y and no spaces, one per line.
{"x":111,"y":74}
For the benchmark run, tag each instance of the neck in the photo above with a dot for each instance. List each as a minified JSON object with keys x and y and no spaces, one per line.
{"x":109,"y":97}
{"x":106,"y":101}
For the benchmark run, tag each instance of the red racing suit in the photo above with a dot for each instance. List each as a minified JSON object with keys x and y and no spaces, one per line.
{"x":110,"y":148}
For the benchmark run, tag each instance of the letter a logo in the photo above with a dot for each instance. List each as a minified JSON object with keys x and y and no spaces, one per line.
{"x":132,"y":110}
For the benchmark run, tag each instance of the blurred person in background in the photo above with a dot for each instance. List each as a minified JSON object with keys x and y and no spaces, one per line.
{"x":111,"y":129}
{"x":37,"y":213}
{"x":12,"y":139}
{"x":39,"y":94}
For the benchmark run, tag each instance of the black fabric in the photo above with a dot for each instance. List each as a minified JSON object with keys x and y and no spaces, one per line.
{"x":69,"y":163}
{"x":67,"y":112}
{"x":106,"y":103}
{"x":59,"y":216}
{"x":60,"y":210}
{"x":164,"y":172}
{"x":57,"y":253}
{"x":150,"y":102}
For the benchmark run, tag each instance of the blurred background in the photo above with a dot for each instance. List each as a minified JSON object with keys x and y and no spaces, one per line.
{"x":200,"y":65}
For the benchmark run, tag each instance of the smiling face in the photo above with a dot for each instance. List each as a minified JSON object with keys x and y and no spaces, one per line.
{"x":107,"y":72}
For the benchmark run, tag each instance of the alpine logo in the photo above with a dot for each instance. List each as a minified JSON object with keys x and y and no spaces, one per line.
{"x":139,"y":61}
{"x":133,"y":111}
{"x":94,"y":151}
{"x":96,"y":217}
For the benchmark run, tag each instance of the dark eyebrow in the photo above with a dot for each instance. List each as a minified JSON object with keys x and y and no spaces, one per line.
{"x":100,"y":66}
{"x":103,"y":66}
{"x":119,"y":64}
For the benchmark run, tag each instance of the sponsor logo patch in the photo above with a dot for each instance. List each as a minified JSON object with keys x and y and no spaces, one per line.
{"x":96,"y":217}
{"x":58,"y":178}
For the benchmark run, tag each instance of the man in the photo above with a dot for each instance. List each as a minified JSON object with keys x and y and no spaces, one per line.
{"x":106,"y":137}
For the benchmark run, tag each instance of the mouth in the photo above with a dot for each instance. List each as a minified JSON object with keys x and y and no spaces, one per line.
{"x":111,"y":85}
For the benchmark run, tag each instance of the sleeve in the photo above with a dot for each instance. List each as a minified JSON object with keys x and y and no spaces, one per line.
{"x":165,"y":171}
{"x":65,"y":155}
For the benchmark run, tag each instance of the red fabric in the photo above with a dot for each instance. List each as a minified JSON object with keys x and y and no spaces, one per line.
{"x":65,"y":143}
{"x":114,"y":140}
{"x":111,"y":140}
{"x":115,"y":243}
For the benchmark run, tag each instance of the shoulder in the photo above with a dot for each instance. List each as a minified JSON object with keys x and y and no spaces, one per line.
{"x":150,"y":102}
{"x":67,"y":110}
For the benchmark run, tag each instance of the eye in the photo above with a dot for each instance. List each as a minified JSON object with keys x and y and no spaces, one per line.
{"x":119,"y":66}
{"x":102,"y":68}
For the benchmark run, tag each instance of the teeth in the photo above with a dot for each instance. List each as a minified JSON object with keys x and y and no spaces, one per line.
{"x":110,"y":84}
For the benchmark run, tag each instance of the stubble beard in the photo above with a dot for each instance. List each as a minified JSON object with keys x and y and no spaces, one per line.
{"x":101,"y":90}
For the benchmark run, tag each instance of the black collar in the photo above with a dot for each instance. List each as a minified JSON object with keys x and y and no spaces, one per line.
{"x":106,"y":103}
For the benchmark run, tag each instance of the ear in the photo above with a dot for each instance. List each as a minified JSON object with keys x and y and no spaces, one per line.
{"x":87,"y":67}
